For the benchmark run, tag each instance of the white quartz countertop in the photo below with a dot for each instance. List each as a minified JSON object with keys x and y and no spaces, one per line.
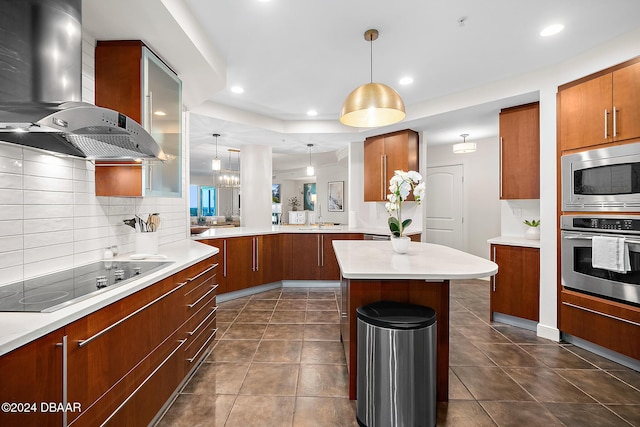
{"x":214,"y":233}
{"x":19,"y":328}
{"x":367,"y":259}
{"x":514,"y":241}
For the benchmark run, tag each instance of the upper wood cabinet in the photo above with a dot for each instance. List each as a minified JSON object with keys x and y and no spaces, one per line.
{"x":384,"y":154}
{"x":520,"y":152}
{"x":131,"y":79}
{"x":601,"y":108}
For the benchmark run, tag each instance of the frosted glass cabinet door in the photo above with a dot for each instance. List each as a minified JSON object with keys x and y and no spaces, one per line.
{"x":162,"y":118}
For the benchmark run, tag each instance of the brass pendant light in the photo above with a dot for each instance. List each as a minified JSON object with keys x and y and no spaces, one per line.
{"x":372,"y":104}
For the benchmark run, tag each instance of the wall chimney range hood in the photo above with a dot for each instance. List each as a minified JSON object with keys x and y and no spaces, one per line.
{"x":41,"y":84}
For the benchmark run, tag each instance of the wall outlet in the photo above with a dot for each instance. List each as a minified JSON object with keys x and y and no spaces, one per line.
{"x":517,"y":212}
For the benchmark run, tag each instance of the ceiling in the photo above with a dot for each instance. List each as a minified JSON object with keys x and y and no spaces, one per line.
{"x":293,"y":56}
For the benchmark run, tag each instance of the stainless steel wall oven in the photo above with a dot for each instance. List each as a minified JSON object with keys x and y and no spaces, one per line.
{"x":577,"y":268}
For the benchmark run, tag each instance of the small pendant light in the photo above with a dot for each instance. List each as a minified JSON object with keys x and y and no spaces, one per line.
{"x":310,"y":170}
{"x":216,"y":164}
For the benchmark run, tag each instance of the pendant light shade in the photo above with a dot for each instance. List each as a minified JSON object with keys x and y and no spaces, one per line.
{"x":372,"y":104}
{"x":464,"y":147}
{"x":216,"y":164}
{"x":310,"y":170}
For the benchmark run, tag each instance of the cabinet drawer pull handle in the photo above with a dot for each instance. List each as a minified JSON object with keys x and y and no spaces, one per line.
{"x":606,"y":130}
{"x":204,"y":272}
{"x":224,"y":265}
{"x":203,"y":321}
{"x":65,"y":387}
{"x":206,"y":343}
{"x":500,"y":178}
{"x":620,"y":319}
{"x":144,"y":382}
{"x":82,"y":343}
{"x":494,"y":278}
{"x":213,"y":288}
{"x":615,"y":124}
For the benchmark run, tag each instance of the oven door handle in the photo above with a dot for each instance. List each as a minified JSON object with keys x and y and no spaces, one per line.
{"x":579,"y":237}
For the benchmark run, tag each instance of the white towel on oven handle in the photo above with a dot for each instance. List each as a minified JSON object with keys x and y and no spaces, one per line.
{"x":610,"y":253}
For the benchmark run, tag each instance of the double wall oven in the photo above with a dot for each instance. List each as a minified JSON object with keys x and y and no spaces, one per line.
{"x":606,"y":183}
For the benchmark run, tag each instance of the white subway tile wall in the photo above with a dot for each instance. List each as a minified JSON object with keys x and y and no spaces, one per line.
{"x":50,"y":217}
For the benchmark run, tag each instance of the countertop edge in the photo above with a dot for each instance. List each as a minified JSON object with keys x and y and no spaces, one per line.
{"x":221,"y":233}
{"x":514,"y":241}
{"x":184,"y":253}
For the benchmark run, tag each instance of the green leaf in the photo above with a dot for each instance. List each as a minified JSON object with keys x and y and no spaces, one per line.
{"x":406,"y":223}
{"x":394,"y":225}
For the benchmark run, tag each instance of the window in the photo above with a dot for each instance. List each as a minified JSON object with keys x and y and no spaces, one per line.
{"x":208,"y":201}
{"x":193,"y":200}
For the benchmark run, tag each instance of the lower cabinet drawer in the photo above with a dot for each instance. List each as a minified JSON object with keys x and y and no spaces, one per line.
{"x":198,"y":343}
{"x":136,"y":398}
{"x":142,"y":405}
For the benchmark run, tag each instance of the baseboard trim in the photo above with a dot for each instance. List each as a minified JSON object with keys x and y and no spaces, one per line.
{"x":627,"y":361}
{"x":515,"y":321}
{"x":548,"y":332}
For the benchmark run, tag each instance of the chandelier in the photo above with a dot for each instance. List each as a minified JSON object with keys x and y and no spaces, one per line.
{"x":228,"y":178}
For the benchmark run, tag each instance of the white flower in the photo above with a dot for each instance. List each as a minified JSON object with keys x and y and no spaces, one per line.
{"x":404,"y":189}
{"x":390,"y":207}
{"x":419,"y":191}
{"x":392,"y":198}
{"x":414,"y":176}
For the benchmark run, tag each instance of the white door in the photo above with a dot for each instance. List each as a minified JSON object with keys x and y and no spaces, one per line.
{"x":444,"y":200}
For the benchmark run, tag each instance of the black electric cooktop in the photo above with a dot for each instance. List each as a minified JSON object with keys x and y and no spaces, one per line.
{"x":56,"y":290}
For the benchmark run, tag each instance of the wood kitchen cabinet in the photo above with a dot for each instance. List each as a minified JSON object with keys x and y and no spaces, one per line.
{"x":311,"y":256}
{"x":33,"y":374}
{"x":515,"y":289}
{"x":384,"y":154}
{"x":131,"y":79}
{"x":520,"y":152}
{"x":609,"y":324}
{"x":601,"y":108}
{"x":248,"y":261}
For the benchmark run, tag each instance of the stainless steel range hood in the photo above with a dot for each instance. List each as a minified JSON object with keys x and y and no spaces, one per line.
{"x":41,"y":84}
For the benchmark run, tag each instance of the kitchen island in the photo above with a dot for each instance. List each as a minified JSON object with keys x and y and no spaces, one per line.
{"x":370,"y":271}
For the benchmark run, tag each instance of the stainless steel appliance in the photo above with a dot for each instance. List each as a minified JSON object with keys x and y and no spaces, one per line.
{"x":41,"y":86}
{"x":577,"y":270}
{"x":54,"y":291}
{"x":606,"y":179}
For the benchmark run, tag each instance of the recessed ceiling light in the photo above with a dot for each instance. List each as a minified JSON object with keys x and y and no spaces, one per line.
{"x":551,"y":30}
{"x":312,"y":113}
{"x":159,"y":113}
{"x":406,"y":80}
{"x":237,"y":89}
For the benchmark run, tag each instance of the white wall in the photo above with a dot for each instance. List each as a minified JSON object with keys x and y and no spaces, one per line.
{"x":481,"y":208}
{"x":50,"y":217}
{"x":255,"y":185}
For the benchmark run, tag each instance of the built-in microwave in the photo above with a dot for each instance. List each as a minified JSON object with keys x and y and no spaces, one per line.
{"x":605,"y":179}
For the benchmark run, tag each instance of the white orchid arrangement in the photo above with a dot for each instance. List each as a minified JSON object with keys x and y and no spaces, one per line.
{"x":401,"y":185}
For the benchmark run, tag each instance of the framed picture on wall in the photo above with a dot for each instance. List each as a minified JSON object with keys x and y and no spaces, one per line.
{"x":335,"y":196}
{"x":309,"y":196}
{"x":275,"y":193}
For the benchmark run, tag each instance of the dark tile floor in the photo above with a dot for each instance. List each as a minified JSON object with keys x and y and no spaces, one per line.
{"x":279,"y":362}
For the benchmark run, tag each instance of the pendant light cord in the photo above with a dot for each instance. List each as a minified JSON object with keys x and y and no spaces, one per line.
{"x":371,"y":59}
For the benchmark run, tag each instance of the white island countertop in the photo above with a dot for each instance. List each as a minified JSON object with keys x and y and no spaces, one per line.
{"x":375,"y":260}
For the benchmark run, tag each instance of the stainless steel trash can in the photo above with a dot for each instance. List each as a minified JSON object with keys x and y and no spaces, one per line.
{"x":396,"y":374}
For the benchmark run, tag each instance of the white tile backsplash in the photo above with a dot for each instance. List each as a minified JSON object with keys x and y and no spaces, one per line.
{"x":10,"y":180}
{"x":48,"y":197}
{"x":11,"y":228}
{"x":45,"y":170}
{"x":11,"y":212}
{"x":11,"y":243}
{"x":12,"y":196}
{"x":48,"y":238}
{"x":47,"y":211}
